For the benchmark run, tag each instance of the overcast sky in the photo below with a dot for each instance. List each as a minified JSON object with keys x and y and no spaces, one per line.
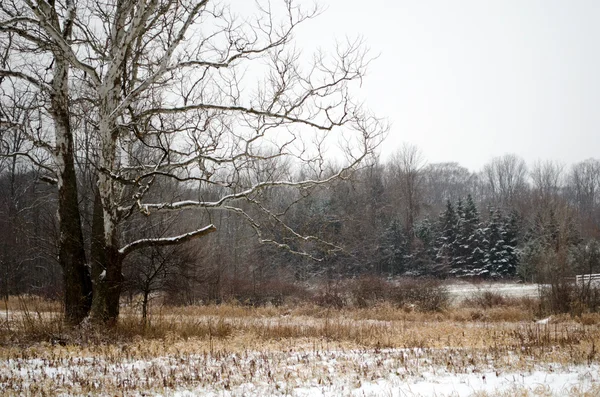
{"x":467,"y":80}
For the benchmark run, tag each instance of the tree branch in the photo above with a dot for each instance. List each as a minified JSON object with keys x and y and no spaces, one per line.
{"x":166,"y":241}
{"x":23,"y":76}
{"x":241,"y":109}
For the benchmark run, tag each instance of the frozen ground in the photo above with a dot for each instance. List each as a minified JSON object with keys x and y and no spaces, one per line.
{"x":386,"y":373}
{"x":317,"y":371}
{"x":462,"y":290}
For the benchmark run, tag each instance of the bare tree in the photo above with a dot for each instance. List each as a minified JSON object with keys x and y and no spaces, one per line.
{"x":443,"y":182}
{"x":505,"y":180}
{"x":208,"y":94}
{"x":584,"y":186}
{"x":547,"y":183}
{"x":35,"y":67}
{"x":406,"y":172}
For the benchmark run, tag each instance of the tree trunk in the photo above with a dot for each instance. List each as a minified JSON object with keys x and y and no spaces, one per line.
{"x":106,"y":271}
{"x":71,"y":256}
{"x":78,"y":286}
{"x":107,"y":289}
{"x":145,"y":305}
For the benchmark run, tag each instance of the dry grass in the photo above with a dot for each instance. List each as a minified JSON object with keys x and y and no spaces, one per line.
{"x":201,"y":343}
{"x":543,"y":391}
{"x":30,"y":303}
{"x":380,"y":326}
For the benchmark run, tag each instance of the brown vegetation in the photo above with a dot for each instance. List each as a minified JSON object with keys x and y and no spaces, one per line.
{"x":486,"y":331}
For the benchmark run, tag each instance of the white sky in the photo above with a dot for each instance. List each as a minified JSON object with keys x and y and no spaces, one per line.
{"x":467,"y":80}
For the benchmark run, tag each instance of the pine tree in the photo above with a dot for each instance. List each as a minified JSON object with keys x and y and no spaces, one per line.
{"x":511,"y":240}
{"x":495,"y":239}
{"x":446,"y":241}
{"x":501,"y":255}
{"x":477,"y":260}
{"x":423,"y":250}
{"x":475,"y":239}
{"x":460,"y":247}
{"x":395,"y":250}
{"x":470,"y":241}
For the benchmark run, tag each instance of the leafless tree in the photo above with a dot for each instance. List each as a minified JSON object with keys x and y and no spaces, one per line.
{"x":547,"y":178}
{"x":583,"y":188}
{"x":210,"y":95}
{"x":406,"y":172}
{"x":443,"y":182}
{"x":505,"y":179}
{"x":36,"y":38}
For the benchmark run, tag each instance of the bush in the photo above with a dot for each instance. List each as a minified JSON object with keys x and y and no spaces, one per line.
{"x":274,"y":292}
{"x":409,"y":293}
{"x":566,"y":296}
{"x":486,"y":300}
{"x":330,"y":300}
{"x":424,"y":294}
{"x":368,"y":290}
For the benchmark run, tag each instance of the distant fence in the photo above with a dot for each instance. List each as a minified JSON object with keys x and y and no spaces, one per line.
{"x":591,"y":279}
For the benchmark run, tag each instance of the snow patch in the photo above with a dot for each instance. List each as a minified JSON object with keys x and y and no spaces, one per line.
{"x":392,"y":372}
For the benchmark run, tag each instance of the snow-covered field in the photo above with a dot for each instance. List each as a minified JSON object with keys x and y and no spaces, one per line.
{"x":394,"y":372}
{"x":309,"y":351}
{"x":462,"y":290}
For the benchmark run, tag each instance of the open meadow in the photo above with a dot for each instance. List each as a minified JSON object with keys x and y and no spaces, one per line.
{"x":485,"y":345}
{"x":299,"y":198}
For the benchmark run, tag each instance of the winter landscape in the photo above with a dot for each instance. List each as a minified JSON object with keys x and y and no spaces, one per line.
{"x":487,"y":344}
{"x":287,"y":198}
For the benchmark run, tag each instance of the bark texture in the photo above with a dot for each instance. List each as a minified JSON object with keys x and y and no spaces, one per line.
{"x":106,"y":271}
{"x":71,"y":256}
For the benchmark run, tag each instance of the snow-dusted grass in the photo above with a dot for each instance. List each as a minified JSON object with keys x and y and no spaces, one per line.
{"x":232,"y":350}
{"x":299,"y":371}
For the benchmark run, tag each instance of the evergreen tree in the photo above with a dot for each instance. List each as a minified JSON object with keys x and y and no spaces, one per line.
{"x":446,"y":241}
{"x":477,"y":260}
{"x":425,"y":231}
{"x":495,"y":241}
{"x":584,"y":257}
{"x":552,"y":231}
{"x":475,"y":239}
{"x":423,"y":250}
{"x":395,"y":250}
{"x":501,"y":255}
{"x":471,"y":216}
{"x":470,"y":241}
{"x":509,"y":268}
{"x":459,"y":247}
{"x":537,"y":242}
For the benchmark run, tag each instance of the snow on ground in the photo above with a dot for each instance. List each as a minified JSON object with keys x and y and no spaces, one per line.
{"x":462,"y":290}
{"x":389,"y":373}
{"x":399,"y":373}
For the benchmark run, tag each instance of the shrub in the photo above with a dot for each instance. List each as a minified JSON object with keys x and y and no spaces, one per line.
{"x":566,"y":296}
{"x":329,"y":299}
{"x":368,"y":290}
{"x":274,"y":292}
{"x":425,"y":294}
{"x":486,"y":300}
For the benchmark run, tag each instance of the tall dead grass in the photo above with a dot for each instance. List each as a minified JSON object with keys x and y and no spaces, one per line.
{"x":233,"y":343}
{"x":471,"y":325}
{"x":484,"y":320}
{"x":31,"y":303}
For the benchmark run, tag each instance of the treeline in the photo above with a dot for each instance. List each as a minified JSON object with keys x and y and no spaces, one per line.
{"x":398,"y":218}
